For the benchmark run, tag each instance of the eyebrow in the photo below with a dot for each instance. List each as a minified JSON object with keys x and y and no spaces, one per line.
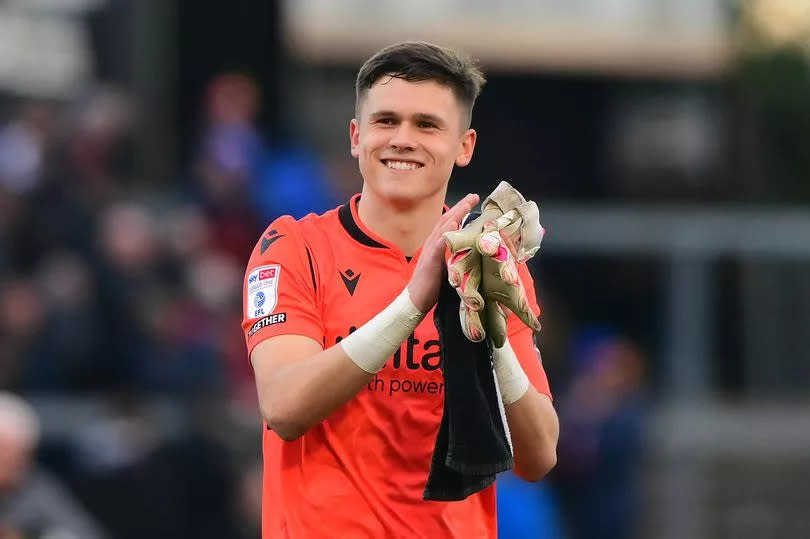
{"x":419,"y":117}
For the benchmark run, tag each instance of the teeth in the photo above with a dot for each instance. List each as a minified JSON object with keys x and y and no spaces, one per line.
{"x":401,"y":165}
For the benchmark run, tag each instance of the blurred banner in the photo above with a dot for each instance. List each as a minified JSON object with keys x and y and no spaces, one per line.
{"x":44,"y":47}
{"x":630,"y":37}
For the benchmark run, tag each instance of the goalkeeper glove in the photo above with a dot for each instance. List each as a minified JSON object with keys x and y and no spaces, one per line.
{"x":482,"y":259}
{"x":500,"y":282}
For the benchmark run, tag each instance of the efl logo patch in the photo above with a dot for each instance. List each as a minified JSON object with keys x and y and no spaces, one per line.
{"x":262,"y":291}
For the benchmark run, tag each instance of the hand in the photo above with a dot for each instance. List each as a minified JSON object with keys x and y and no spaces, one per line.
{"x":507,"y":212}
{"x":464,"y":264}
{"x":426,"y":279}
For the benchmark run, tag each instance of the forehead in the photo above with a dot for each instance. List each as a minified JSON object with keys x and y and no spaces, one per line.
{"x":406,"y":98}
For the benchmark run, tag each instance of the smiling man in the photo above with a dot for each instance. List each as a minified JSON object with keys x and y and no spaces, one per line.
{"x":339,"y":327}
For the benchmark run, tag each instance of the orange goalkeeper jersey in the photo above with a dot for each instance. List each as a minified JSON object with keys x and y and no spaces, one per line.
{"x":361,"y":472}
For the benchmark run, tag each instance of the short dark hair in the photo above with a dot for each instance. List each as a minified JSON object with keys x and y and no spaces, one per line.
{"x":416,"y":61}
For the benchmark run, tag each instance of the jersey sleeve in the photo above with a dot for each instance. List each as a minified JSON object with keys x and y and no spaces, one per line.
{"x":521,"y":337}
{"x":279,"y":295}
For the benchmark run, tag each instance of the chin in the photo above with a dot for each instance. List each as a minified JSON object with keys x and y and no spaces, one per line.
{"x":404,"y":194}
{"x":404,"y":191}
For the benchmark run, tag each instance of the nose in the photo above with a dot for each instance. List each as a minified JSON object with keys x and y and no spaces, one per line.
{"x":402,"y":138}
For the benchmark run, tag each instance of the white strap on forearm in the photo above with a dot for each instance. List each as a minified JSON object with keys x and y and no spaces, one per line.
{"x":512,"y":380}
{"x":377,"y":340}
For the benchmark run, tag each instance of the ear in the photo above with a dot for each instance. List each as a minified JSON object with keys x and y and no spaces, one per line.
{"x":354,"y":137}
{"x":467,"y":146}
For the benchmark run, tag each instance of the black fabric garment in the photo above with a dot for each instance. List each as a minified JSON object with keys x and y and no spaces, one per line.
{"x":472,"y":444}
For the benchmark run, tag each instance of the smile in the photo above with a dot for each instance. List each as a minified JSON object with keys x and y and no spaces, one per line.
{"x":401,"y":165}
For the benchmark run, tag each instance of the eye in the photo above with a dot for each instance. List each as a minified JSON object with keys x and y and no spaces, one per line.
{"x":426,"y":125}
{"x":385,"y":121}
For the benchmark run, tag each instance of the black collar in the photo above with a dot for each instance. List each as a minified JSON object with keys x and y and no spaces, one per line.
{"x":354,"y":230}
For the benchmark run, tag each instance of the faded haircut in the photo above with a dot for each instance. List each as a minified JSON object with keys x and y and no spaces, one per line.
{"x":417,"y":61}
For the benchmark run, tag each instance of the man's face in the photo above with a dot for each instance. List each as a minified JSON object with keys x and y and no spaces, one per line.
{"x":15,"y":459}
{"x":407,"y":138}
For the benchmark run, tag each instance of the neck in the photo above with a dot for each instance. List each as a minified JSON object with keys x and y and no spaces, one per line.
{"x":407,"y":225}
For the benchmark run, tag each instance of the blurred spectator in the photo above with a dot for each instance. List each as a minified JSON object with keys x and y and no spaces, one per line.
{"x":224,"y":167}
{"x":32,"y":503}
{"x":244,"y":183}
{"x":57,"y":167}
{"x":64,"y":354}
{"x":127,"y":261}
{"x":184,"y":231}
{"x":189,"y":327}
{"x":98,"y":143}
{"x":24,"y":143}
{"x":145,"y":482}
{"x":121,"y":437}
{"x":128,"y":239}
{"x":21,"y":322}
{"x":601,"y":438}
{"x":214,"y":282}
{"x":231,"y":141}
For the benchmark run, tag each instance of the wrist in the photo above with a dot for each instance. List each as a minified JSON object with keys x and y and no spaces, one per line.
{"x":375,"y":341}
{"x":417,"y":298}
{"x":511,"y":379}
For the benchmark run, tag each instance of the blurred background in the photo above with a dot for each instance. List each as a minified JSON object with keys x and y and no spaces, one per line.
{"x":145,"y":145}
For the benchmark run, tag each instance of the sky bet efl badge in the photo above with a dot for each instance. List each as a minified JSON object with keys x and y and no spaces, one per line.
{"x":262,"y":291}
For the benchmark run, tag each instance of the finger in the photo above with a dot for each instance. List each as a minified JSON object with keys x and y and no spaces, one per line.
{"x":436,"y":237}
{"x":449,"y":227}
{"x":520,"y":306}
{"x":529,"y":318}
{"x":509,"y":273}
{"x":461,"y":208}
{"x":507,"y":241}
{"x":462,"y":238}
{"x":457,"y":264}
{"x":472,"y":299}
{"x":509,"y":218}
{"x":488,"y":243}
{"x":467,"y":235}
{"x":501,"y":283}
{"x":496,"y":324}
{"x":464,"y":273}
{"x":503,"y":227}
{"x":457,"y":240}
{"x":471,"y":324}
{"x":470,"y":282}
{"x":438,"y":245}
{"x":498,"y":248}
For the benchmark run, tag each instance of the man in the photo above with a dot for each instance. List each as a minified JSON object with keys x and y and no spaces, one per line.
{"x":340,"y":334}
{"x":32,"y":503}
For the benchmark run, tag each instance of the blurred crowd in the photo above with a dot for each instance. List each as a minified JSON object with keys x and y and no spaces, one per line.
{"x":123,"y":292}
{"x":98,"y":265}
{"x":596,"y":489}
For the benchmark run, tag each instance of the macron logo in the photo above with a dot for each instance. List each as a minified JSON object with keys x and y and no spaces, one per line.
{"x":350,"y":280}
{"x":269,"y":239}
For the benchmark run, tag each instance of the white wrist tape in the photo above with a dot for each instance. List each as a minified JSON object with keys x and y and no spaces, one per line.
{"x":512,"y":380}
{"x":377,"y":340}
